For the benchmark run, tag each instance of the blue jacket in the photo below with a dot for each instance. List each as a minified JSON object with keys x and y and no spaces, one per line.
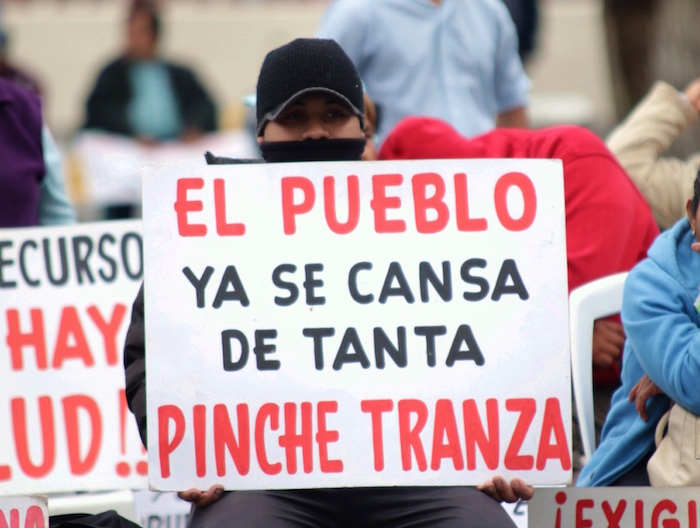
{"x":661,"y":320}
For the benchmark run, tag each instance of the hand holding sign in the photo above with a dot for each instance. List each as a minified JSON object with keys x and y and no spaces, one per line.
{"x":347,"y":323}
{"x":202,"y":499}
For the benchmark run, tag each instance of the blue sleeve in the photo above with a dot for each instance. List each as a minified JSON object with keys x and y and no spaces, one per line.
{"x":512,"y":83}
{"x":54,"y":206}
{"x":661,"y":324}
{"x":347,"y":22}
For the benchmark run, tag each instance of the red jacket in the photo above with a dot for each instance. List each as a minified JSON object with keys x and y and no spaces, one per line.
{"x":609,"y":225}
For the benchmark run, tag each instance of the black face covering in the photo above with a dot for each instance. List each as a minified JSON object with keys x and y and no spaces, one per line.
{"x":313,"y":150}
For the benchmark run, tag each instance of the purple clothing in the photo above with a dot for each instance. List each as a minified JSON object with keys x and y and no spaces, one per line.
{"x":22,"y":166}
{"x":18,"y":76}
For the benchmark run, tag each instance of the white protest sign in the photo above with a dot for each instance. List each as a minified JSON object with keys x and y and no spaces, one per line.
{"x":158,"y":509}
{"x":24,"y":512}
{"x":356,"y":324}
{"x":65,"y":305}
{"x":108,"y":166}
{"x":517,"y":512}
{"x":619,"y":507}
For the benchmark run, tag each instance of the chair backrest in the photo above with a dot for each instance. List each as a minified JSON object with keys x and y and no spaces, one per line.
{"x":599,"y":298}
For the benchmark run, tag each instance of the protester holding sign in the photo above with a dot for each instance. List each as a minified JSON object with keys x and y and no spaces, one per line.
{"x":661,"y":317}
{"x":609,"y":226}
{"x":310,"y":107}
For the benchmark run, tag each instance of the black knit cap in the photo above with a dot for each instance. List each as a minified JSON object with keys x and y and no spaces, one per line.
{"x":303,"y":66}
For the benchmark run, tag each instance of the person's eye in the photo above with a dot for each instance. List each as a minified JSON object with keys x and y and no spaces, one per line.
{"x":293,"y":115}
{"x":337,"y":113}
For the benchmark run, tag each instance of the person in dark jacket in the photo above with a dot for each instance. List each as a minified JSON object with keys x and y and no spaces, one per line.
{"x":142,"y":95}
{"x":146,"y":97}
{"x":310,"y":108}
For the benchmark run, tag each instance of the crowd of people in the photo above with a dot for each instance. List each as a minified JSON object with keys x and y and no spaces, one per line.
{"x":388,"y":80}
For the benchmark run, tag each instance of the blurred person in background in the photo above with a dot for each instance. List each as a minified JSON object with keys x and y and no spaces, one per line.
{"x":630,"y":29}
{"x":31,"y":177}
{"x":645,"y":135}
{"x":526,"y":17}
{"x":675,"y":57}
{"x":144,"y":96}
{"x":650,"y":40}
{"x":454,"y":60}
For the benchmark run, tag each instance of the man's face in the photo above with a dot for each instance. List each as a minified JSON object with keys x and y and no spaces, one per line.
{"x":314,"y":116}
{"x":140,"y":39}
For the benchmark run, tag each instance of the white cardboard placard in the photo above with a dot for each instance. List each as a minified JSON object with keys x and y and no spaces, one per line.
{"x":109,"y":165}
{"x":357,"y":324}
{"x":65,"y":305}
{"x":620,"y":507}
{"x":24,"y":511}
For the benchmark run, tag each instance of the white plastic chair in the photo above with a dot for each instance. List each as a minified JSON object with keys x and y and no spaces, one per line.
{"x":599,"y":298}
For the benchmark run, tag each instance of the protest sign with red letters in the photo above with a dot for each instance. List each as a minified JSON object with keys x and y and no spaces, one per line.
{"x":107,"y":167}
{"x":65,"y":305}
{"x":614,"y":507}
{"x":356,"y":324}
{"x":24,"y":512}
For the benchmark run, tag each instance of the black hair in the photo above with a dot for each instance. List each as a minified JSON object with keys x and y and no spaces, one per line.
{"x":696,"y":193}
{"x":151,"y":10}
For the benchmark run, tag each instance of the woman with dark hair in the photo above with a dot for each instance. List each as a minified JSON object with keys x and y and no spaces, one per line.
{"x":661,"y":361}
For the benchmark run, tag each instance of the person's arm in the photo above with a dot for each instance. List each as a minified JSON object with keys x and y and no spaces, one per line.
{"x":511,"y":81}
{"x":661,"y":325}
{"x":516,"y":118}
{"x":106,"y":104}
{"x":644,"y":135}
{"x":645,"y":388}
{"x":608,"y":340}
{"x":198,"y":109}
{"x":348,"y":22}
{"x":135,"y":366}
{"x":54,"y":206}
